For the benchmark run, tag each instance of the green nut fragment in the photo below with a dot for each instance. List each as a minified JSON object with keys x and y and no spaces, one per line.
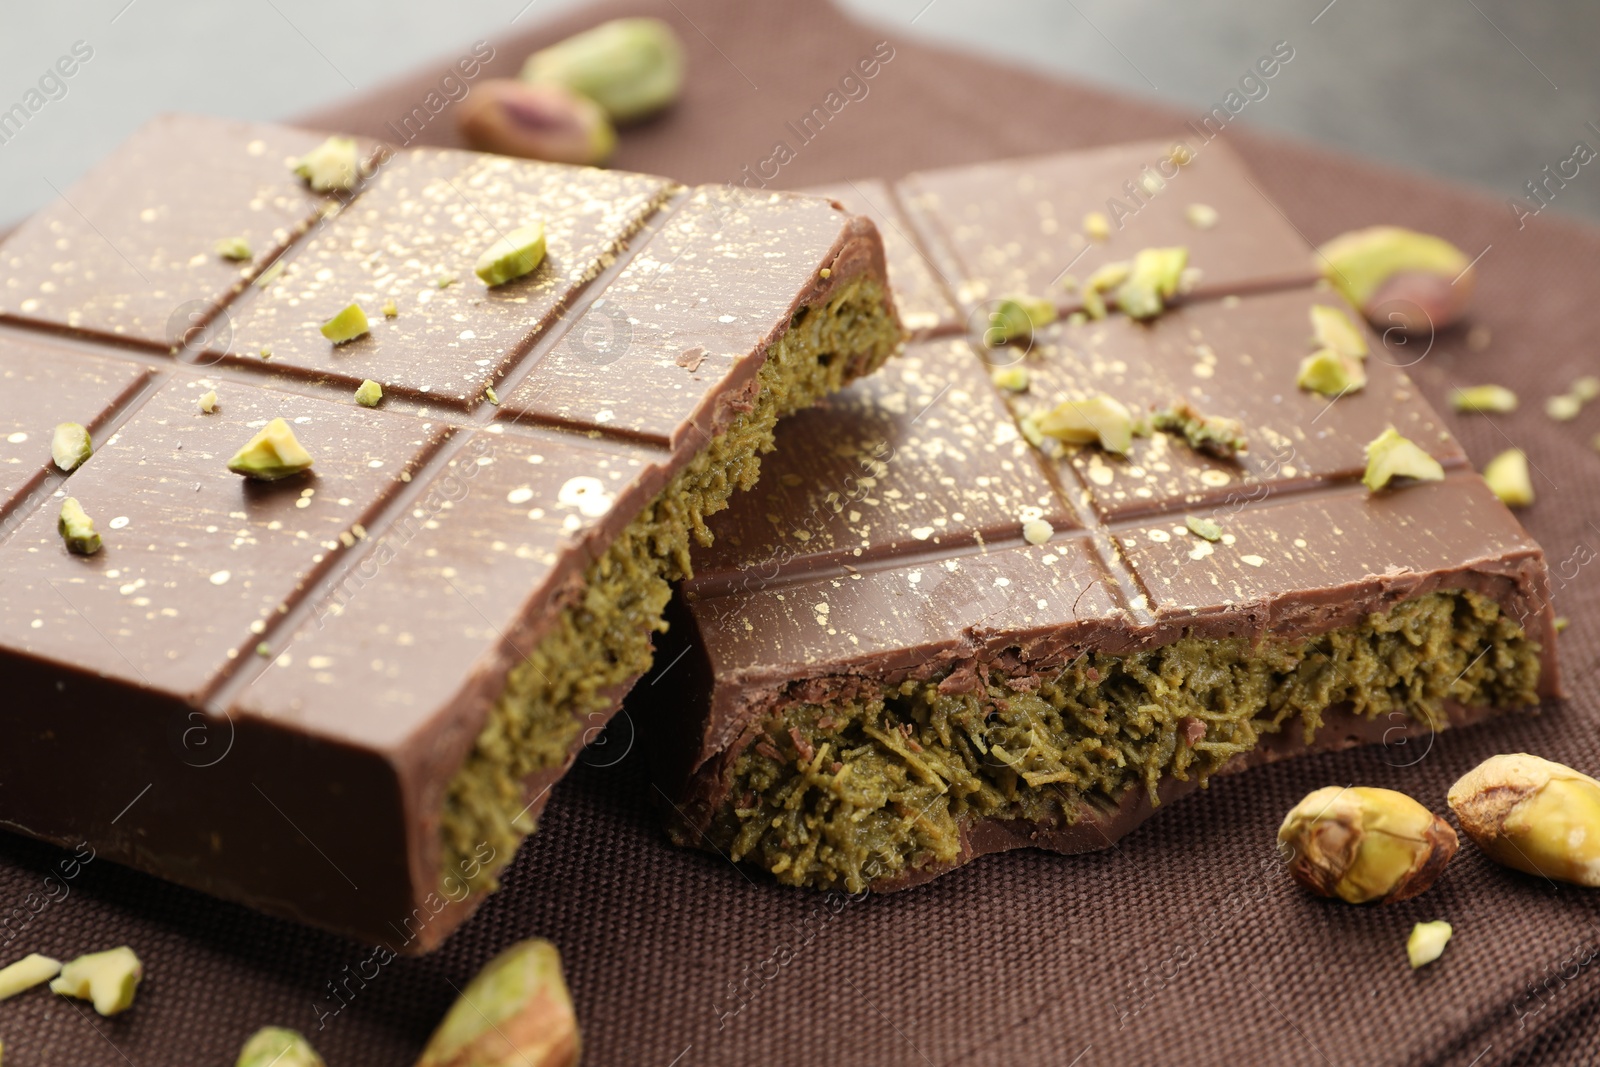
{"x":1097,"y":226}
{"x":1078,"y":318}
{"x":369,"y":393}
{"x":277,"y":1046}
{"x":512,"y":256}
{"x":1399,"y":277}
{"x":491,"y":396}
{"x":1108,"y":276}
{"x":1155,"y":278}
{"x":1391,"y":456}
{"x":1333,"y":328}
{"x":1532,"y":814}
{"x":1094,"y":305}
{"x":333,"y":164}
{"x":208,"y":401}
{"x":1586,"y":388}
{"x":70,"y":446}
{"x":270,"y":275}
{"x":107,"y":978}
{"x":1563,"y":408}
{"x":1507,"y":475}
{"x":389,"y":310}
{"x":1427,"y":942}
{"x":1331,"y":373}
{"x":1496,"y":399}
{"x":1099,"y":419}
{"x":347,"y":325}
{"x":272,"y":454}
{"x":1018,"y":316}
{"x":1561,"y":623}
{"x":1201,"y":216}
{"x":263,"y":650}
{"x":26,"y":973}
{"x":1203,"y":527}
{"x":1362,"y":844}
{"x":236,"y":248}
{"x":1013,"y":379}
{"x":1215,"y":435}
{"x":1037,"y":531}
{"x":77,"y":529}
{"x":515,"y":1013}
{"x":631,"y":67}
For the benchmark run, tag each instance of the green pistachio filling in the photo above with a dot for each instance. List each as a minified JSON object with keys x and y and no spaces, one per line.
{"x":600,"y":643}
{"x":882,"y":782}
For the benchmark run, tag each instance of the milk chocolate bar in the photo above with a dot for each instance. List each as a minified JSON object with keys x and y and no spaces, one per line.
{"x":932,"y":632}
{"x":342,"y":696}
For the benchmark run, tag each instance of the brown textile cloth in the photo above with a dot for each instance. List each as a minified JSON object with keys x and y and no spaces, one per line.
{"x":1183,"y":944}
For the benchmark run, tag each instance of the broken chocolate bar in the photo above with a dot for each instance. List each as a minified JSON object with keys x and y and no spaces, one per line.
{"x":936,"y":631}
{"x":334,"y":676}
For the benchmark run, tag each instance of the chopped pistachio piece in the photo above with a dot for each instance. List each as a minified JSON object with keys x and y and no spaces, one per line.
{"x":266,"y":351}
{"x":1334,"y":329}
{"x":347,"y":325}
{"x":825,"y":273}
{"x":1029,"y":425}
{"x":1037,"y":531}
{"x":1109,"y":276}
{"x":107,"y":978}
{"x":1216,"y":435}
{"x":235,"y":248}
{"x":1201,"y":216}
{"x":1096,"y":225}
{"x":1427,"y":942}
{"x":208,"y":401}
{"x":445,"y":281}
{"x":1391,"y":456}
{"x":26,"y":973}
{"x":389,"y":310}
{"x":1486,"y":398}
{"x":1586,"y":388}
{"x":1331,"y":373}
{"x":271,"y":454}
{"x":369,"y":393}
{"x":1203,"y":527}
{"x":512,"y":256}
{"x":515,"y":1013}
{"x":1014,"y":379}
{"x":1507,"y":475}
{"x":77,"y":529}
{"x":1563,"y":408}
{"x":1562,"y":622}
{"x":1094,"y":305}
{"x":1154,"y":279}
{"x":277,"y":1046}
{"x":491,"y":396}
{"x":1098,"y":419}
{"x":1018,"y":316}
{"x":333,"y":164}
{"x":270,"y":275}
{"x":70,"y":446}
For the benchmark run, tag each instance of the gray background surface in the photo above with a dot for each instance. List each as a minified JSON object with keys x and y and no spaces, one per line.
{"x":1486,"y":92}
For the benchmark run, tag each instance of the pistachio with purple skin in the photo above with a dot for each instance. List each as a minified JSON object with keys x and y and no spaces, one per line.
{"x":545,"y":121}
{"x":1399,"y":278}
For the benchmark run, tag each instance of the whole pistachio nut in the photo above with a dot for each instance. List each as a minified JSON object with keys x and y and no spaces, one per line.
{"x":631,"y":67}
{"x":545,"y":121}
{"x":515,"y":1013}
{"x":1532,"y":814}
{"x":108,"y":979}
{"x":277,"y":1046}
{"x":1363,"y":844}
{"x":1399,"y":277}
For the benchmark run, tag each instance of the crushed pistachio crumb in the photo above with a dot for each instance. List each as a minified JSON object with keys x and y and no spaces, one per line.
{"x":1507,"y":475}
{"x":1216,"y":435}
{"x":389,"y":310}
{"x":1586,"y":388}
{"x":1334,"y":328}
{"x":347,"y":325}
{"x":70,"y":446}
{"x":1201,"y":216}
{"x":1563,"y":408}
{"x":107,"y":979}
{"x":1037,"y":531}
{"x":1097,"y":226}
{"x":235,"y":248}
{"x":825,"y":273}
{"x":491,"y":396}
{"x":369,"y":393}
{"x":1484,"y":398}
{"x":272,"y":454}
{"x":264,"y":650}
{"x":1017,"y":316}
{"x":1390,"y":456}
{"x":1203,"y":527}
{"x":77,"y":529}
{"x":1331,"y":373}
{"x":333,"y":164}
{"x":208,"y":401}
{"x":1014,"y":379}
{"x":1155,"y":279}
{"x":445,"y":281}
{"x":1562,"y":622}
{"x":1427,"y":942}
{"x":1101,"y":419}
{"x":266,"y":351}
{"x":512,"y":256}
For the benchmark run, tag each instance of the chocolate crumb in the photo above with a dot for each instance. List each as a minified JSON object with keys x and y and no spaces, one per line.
{"x":691,"y":358}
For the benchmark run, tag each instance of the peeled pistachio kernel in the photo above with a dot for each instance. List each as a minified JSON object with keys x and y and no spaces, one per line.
{"x":1099,"y":419}
{"x":1532,"y":814}
{"x":77,"y":529}
{"x":512,"y":256}
{"x":26,"y":973}
{"x":1333,"y":329}
{"x":1563,"y":408}
{"x":347,"y":325}
{"x":1399,"y":277}
{"x":277,"y":1046}
{"x":1203,"y":527}
{"x":1331,"y":373}
{"x":515,"y":1013}
{"x":1391,"y":456}
{"x":70,"y":446}
{"x":1496,"y":399}
{"x":369,"y":394}
{"x":272,"y":454}
{"x":1018,"y":316}
{"x":1201,"y":216}
{"x":335,"y":164}
{"x":1507,"y":475}
{"x":631,"y":67}
{"x":1586,"y":388}
{"x":108,"y":979}
{"x":1427,"y":942}
{"x":235,"y":248}
{"x":208,"y":401}
{"x":1154,"y":279}
{"x":1097,"y":226}
{"x":1362,"y":844}
{"x":1012,"y":379}
{"x":1215,"y":435}
{"x":548,"y":122}
{"x":1037,"y":531}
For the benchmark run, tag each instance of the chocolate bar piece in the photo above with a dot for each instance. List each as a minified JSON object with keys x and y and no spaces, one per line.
{"x":343,"y":696}
{"x":925,"y":637}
